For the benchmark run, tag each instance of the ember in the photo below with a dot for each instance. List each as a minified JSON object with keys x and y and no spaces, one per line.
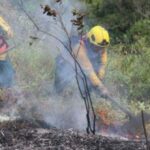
{"x":104,"y":117}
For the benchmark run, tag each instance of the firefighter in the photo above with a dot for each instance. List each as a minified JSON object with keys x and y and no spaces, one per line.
{"x":6,"y":70}
{"x":91,"y":53}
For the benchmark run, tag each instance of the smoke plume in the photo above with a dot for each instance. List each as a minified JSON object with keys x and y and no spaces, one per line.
{"x":33,"y":58}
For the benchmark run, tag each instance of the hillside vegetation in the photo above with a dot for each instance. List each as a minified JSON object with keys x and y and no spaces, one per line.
{"x":128,"y":23}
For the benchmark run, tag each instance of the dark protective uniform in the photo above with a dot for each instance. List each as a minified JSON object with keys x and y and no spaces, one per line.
{"x":92,"y":61}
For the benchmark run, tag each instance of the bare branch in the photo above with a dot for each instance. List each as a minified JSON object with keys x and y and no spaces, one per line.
{"x":145,"y":132}
{"x":85,"y":96}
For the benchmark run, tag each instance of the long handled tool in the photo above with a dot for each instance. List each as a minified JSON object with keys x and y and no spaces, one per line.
{"x":116,"y":104}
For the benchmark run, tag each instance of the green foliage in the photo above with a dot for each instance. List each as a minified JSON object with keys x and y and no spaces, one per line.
{"x":128,"y":23}
{"x":131,"y":71}
{"x":118,"y":16}
{"x":141,"y":29}
{"x":34,"y":69}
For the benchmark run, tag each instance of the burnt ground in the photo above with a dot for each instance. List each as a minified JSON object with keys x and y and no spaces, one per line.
{"x":26,"y":135}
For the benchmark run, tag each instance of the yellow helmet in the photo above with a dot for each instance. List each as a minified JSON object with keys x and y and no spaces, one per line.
{"x":99,"y":36}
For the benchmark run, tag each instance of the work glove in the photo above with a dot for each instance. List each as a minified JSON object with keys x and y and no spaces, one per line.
{"x":103,"y":92}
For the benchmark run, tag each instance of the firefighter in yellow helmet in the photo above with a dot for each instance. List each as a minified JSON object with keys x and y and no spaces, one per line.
{"x":92,"y":55}
{"x":6,"y":70}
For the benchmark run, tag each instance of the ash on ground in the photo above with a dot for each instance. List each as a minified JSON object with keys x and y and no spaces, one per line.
{"x":29,"y":135}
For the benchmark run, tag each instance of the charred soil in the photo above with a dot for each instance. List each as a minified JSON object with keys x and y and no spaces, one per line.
{"x":29,"y":135}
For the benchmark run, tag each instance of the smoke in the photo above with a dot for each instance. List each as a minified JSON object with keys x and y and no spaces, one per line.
{"x":43,"y":67}
{"x":33,"y":95}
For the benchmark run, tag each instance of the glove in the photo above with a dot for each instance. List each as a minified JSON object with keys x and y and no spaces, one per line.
{"x":103,"y":91}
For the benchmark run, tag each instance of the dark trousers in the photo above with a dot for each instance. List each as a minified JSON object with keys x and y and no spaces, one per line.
{"x":6,"y":74}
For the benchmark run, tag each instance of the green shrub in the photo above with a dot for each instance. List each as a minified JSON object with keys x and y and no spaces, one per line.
{"x":119,"y":16}
{"x":141,"y":29}
{"x":34,"y":69}
{"x":132,"y":71}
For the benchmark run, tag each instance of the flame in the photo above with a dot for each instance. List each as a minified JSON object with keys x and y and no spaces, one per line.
{"x":108,"y":126}
{"x":104,"y":117}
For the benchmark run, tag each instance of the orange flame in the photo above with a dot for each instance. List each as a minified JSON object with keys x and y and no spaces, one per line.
{"x":103,"y":114}
{"x":108,"y":123}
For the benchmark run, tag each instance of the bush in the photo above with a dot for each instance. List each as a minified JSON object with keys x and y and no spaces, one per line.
{"x":118,"y":16}
{"x":131,"y":73}
{"x":140,"y":30}
{"x":34,"y":69}
{"x":129,"y":59}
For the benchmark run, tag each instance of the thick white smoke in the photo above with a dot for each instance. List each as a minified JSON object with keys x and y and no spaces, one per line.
{"x":41,"y":102}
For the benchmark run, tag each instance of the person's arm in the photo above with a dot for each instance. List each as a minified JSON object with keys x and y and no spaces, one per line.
{"x":6,"y":27}
{"x":88,"y":69}
{"x":103,"y":58}
{"x":81,"y":55}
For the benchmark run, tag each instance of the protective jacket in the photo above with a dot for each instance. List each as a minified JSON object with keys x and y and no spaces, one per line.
{"x":3,"y":44}
{"x":92,"y":61}
{"x":6,"y":70}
